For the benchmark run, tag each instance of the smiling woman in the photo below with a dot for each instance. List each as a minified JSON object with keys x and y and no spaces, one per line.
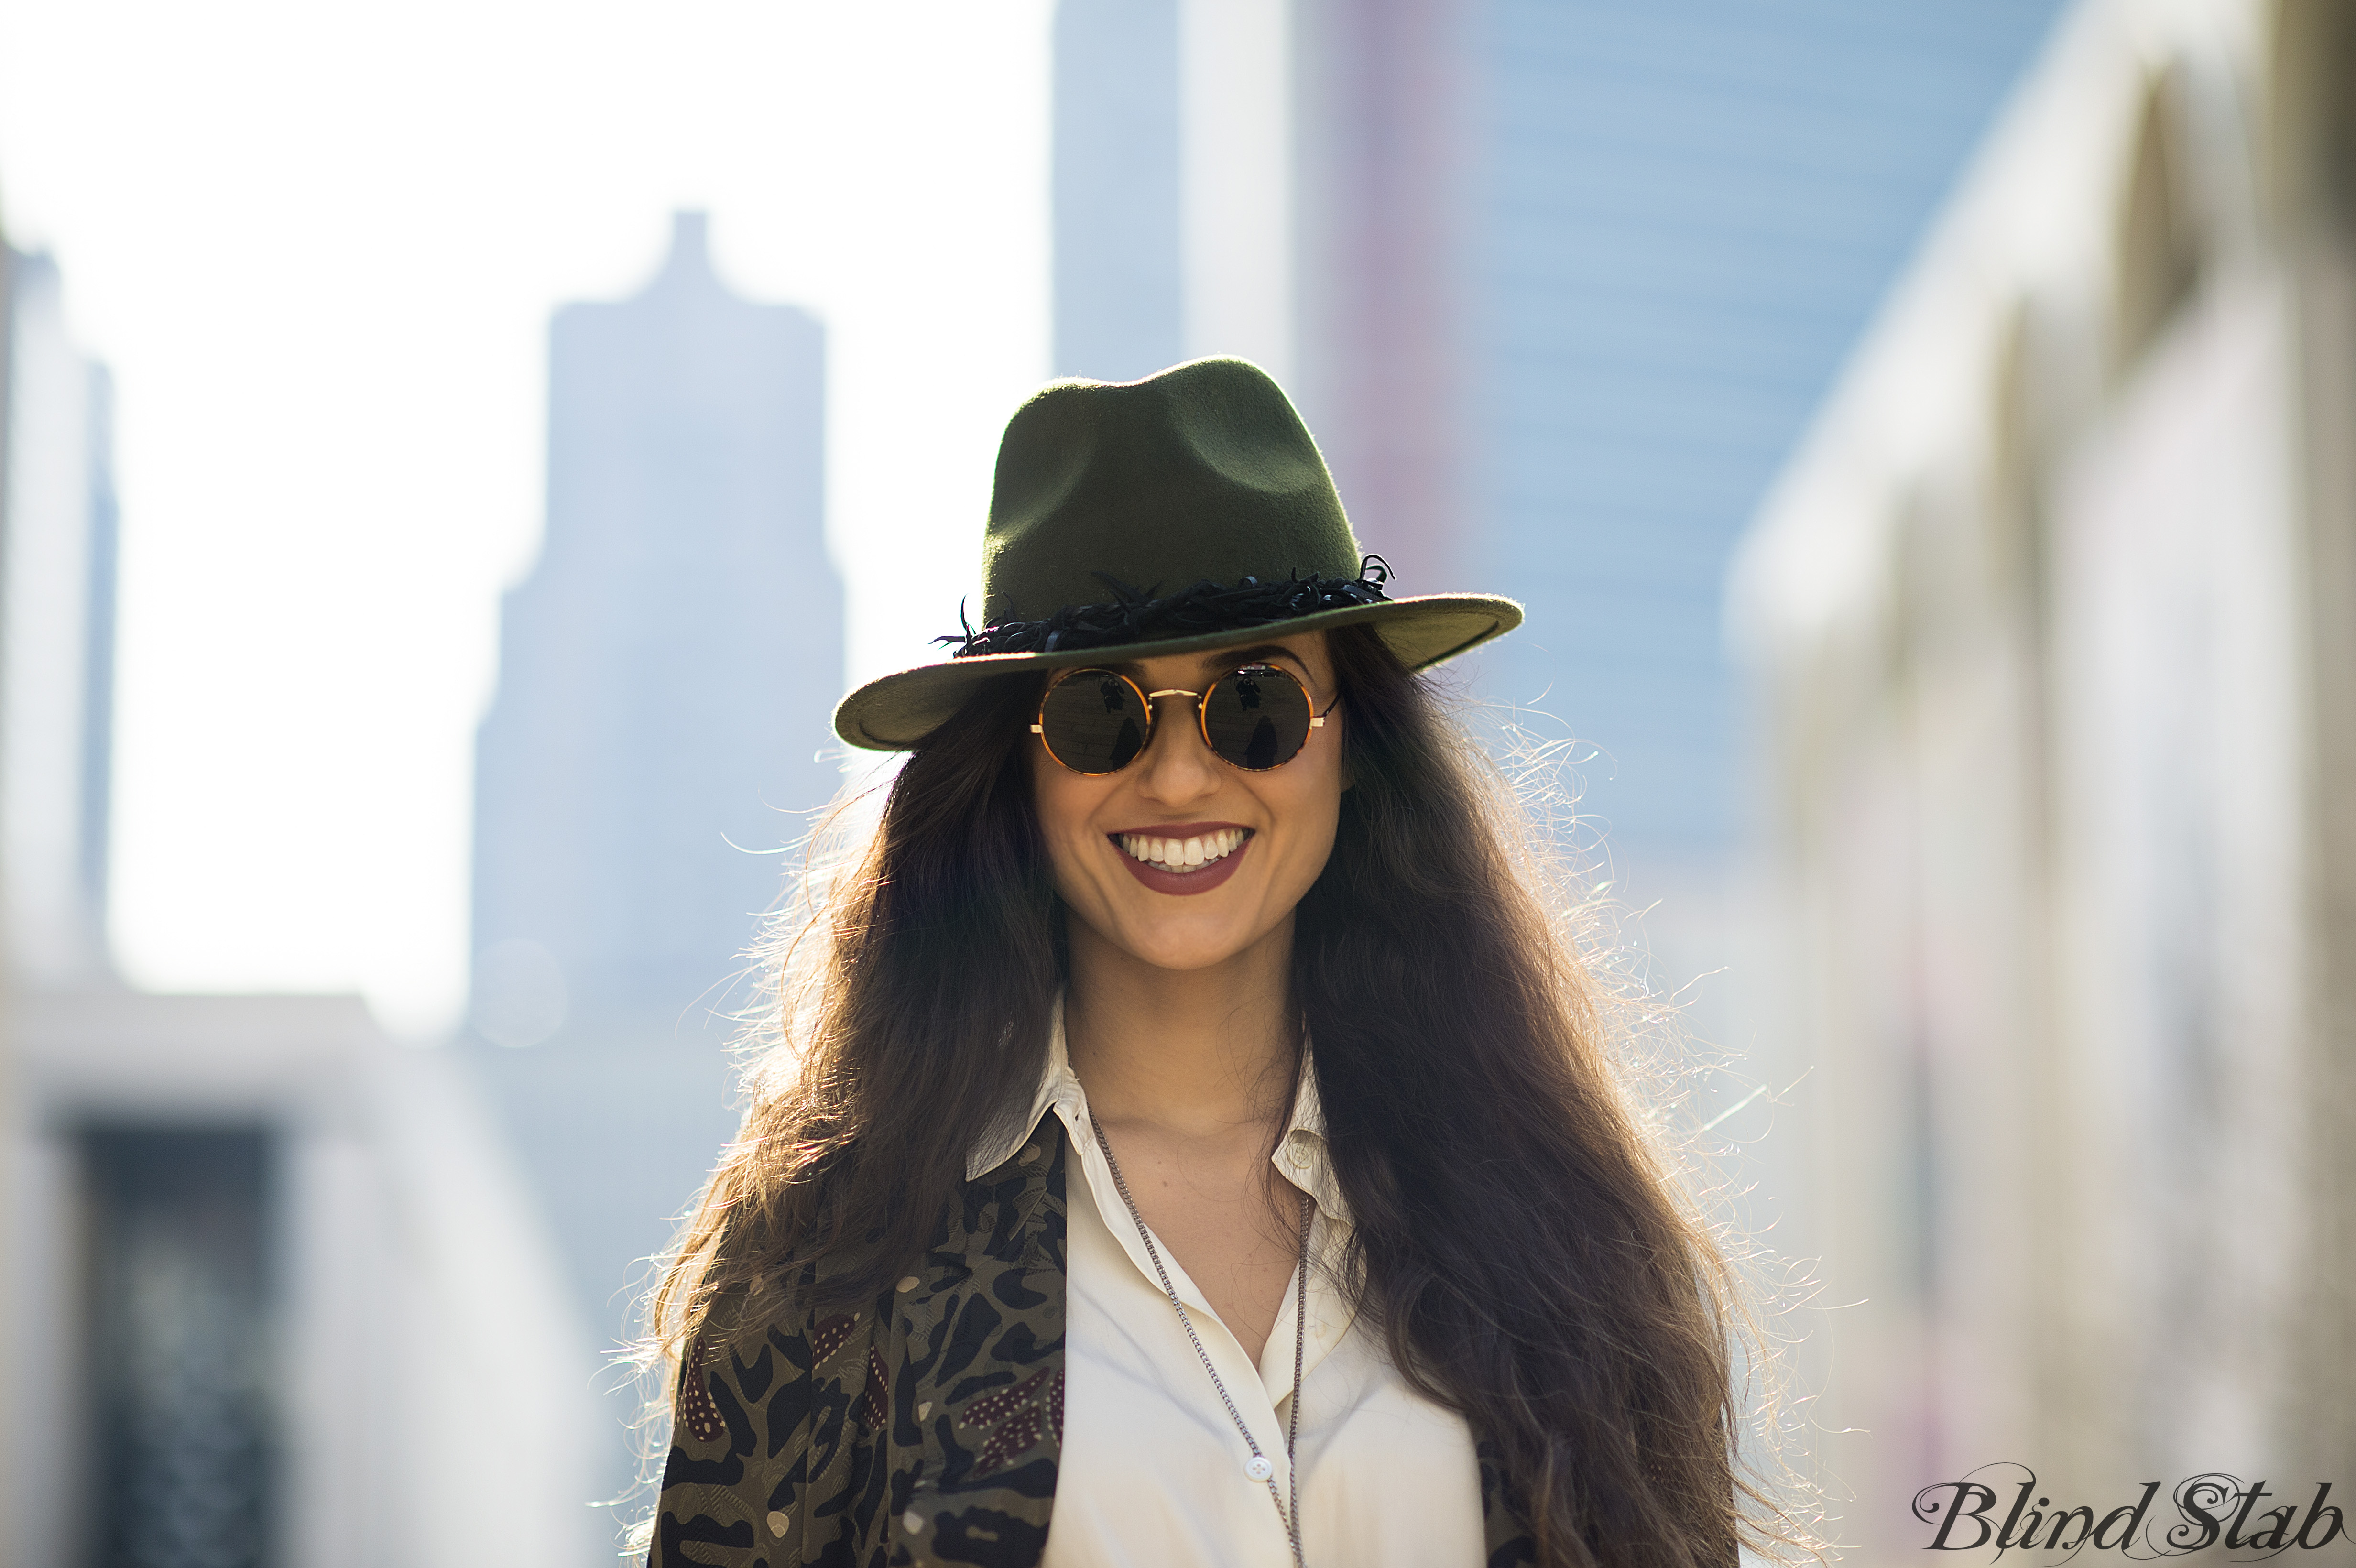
{"x":1186,"y":1140}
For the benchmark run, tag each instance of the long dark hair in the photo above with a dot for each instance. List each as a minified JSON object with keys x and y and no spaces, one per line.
{"x":1517,"y":1237}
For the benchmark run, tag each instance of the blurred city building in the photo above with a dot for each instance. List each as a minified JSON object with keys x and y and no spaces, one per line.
{"x":1556,"y":283}
{"x":667,"y":673}
{"x":56,"y":638}
{"x":10,"y":1399}
{"x":1288,"y":183}
{"x":247,"y":1245}
{"x":269,"y":1272}
{"x":2052,"y":626}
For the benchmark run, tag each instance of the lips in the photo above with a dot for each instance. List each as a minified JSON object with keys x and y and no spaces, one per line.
{"x":1182,"y":859}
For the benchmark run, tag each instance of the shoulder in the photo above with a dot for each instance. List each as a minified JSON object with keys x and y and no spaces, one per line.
{"x":930,"y":1418}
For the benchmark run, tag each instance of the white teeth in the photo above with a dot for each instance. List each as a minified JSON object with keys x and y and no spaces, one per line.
{"x":1182,"y":854}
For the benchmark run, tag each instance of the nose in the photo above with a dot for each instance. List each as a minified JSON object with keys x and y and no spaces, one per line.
{"x":1177,"y":766}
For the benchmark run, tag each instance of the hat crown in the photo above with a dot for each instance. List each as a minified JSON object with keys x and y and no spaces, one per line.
{"x":1201,"y":472}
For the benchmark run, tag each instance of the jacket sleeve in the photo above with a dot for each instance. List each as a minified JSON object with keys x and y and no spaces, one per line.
{"x":765,"y":1446}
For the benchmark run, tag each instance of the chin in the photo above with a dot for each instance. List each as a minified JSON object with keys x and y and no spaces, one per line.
{"x":1192,"y":947}
{"x":1188,"y":960}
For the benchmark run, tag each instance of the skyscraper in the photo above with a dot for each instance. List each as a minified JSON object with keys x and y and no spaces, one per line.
{"x":668,"y":669}
{"x":667,"y":674}
{"x":1687,"y":213}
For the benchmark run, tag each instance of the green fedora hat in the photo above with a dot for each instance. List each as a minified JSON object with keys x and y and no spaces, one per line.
{"x":1163,"y":515}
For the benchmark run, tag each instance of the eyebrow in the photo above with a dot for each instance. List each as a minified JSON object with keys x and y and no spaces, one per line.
{"x":1226,"y":659}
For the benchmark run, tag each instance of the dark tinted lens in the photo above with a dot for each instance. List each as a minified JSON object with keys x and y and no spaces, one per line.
{"x":1094,"y":721}
{"x":1258,"y":717}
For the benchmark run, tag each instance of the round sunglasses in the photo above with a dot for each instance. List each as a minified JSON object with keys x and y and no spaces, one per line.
{"x":1097,"y":721}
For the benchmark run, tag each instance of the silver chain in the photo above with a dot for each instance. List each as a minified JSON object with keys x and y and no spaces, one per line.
{"x":1289,"y":1518}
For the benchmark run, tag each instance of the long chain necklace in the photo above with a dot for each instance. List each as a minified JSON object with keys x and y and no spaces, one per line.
{"x":1259,"y":1467}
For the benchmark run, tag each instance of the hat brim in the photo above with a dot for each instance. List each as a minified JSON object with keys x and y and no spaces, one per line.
{"x":895,"y":712}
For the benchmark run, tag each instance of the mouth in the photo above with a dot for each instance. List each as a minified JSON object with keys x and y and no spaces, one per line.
{"x":1183,"y":855}
{"x":1186,"y":858}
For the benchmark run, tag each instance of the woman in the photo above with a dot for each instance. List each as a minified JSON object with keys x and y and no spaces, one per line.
{"x":1191,"y":1143}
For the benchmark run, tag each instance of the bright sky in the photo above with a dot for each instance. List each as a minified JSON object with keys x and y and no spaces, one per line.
{"x":319,"y":245}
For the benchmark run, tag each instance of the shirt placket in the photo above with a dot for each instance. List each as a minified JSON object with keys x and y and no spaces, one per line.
{"x":1255,"y":1401}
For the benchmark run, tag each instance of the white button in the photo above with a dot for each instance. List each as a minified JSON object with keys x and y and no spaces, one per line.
{"x":777,"y":1521}
{"x":907,"y":1283}
{"x":1259,"y":1467}
{"x":913,"y":1522}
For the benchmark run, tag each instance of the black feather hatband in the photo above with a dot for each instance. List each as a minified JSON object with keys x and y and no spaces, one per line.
{"x":1135,"y":616}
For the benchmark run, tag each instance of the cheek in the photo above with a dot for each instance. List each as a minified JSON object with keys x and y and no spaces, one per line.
{"x":1066,"y":803}
{"x":1313,"y":810}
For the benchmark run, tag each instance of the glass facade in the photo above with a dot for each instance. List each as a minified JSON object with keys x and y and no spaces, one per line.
{"x":1687,"y":213}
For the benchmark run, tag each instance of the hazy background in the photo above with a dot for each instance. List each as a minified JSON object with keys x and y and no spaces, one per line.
{"x":454,"y":457}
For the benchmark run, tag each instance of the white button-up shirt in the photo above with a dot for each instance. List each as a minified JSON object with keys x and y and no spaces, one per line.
{"x":1153,"y":1470}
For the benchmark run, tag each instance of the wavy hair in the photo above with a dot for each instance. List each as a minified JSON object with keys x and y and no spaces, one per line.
{"x":1518,"y":1237}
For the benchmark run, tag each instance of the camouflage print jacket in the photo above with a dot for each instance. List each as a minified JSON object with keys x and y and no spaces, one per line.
{"x":922,"y":1429}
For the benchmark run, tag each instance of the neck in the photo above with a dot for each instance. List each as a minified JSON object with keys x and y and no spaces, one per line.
{"x":1201,"y":1053}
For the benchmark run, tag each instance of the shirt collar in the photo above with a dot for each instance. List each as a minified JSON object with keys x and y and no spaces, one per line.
{"x":996,"y":1146}
{"x":1301,"y":1155}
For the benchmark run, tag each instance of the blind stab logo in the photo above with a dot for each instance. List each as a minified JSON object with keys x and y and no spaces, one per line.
{"x":2211,"y":1509}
